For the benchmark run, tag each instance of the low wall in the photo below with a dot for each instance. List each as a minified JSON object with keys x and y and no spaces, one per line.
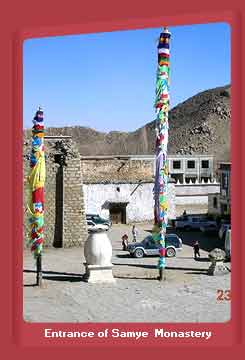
{"x":197,"y":189}
{"x":194,"y":198}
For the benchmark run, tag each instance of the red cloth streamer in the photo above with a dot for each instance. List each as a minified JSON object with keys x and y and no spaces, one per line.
{"x":37,"y":242}
{"x":38,"y":195}
{"x":162,"y":252}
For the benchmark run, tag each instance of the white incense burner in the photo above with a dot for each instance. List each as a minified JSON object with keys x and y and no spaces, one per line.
{"x":98,"y":254}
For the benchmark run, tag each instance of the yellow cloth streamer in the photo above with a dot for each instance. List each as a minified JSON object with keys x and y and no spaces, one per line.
{"x":37,"y":177}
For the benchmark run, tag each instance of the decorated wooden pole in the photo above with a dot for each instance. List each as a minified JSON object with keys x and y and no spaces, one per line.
{"x":161,"y":172}
{"x":36,"y":182}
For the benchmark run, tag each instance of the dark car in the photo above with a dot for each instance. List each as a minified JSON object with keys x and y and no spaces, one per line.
{"x":149,"y":247}
{"x":209,"y":228}
{"x":97,"y":219}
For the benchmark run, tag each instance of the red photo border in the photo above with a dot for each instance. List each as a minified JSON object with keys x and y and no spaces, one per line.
{"x":21,"y":20}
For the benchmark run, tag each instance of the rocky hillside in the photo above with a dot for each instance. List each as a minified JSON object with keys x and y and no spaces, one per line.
{"x":200,"y":125}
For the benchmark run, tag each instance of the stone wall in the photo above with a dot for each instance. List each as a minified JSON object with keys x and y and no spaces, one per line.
{"x":142,"y":167}
{"x":64,"y":219}
{"x":117,"y":169}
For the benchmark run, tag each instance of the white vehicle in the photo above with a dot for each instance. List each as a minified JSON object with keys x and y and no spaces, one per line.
{"x":191,"y":222}
{"x":96,"y":227}
{"x":228,"y":243}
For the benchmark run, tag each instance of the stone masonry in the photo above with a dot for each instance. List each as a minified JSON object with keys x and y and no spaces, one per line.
{"x":64,"y":219}
{"x":116,"y":169}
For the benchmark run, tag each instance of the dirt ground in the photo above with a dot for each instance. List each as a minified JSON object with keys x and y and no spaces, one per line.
{"x":187,"y":295}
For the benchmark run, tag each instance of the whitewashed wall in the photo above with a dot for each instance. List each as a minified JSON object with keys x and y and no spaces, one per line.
{"x":140,"y":206}
{"x":194,"y":198}
{"x":195,"y":194}
{"x":197,"y":189}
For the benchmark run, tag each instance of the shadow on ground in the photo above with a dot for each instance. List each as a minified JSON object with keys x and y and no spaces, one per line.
{"x":205,"y":259}
{"x":198,"y":273}
{"x":127,"y":256}
{"x":207,"y":242}
{"x":56,"y":276}
{"x":135,"y":277}
{"x":148,"y":266}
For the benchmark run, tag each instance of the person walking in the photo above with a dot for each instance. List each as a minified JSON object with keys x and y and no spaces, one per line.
{"x":196,"y":249}
{"x":134,"y":233}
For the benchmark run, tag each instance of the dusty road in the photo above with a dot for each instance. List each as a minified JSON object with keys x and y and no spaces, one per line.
{"x":188,"y":294}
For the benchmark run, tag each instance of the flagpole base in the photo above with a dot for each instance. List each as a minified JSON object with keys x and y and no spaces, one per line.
{"x":162,"y":274}
{"x":39,"y":277}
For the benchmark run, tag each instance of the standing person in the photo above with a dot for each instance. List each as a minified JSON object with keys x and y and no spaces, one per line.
{"x":125,"y":242}
{"x":196,"y":249}
{"x":134,"y":233}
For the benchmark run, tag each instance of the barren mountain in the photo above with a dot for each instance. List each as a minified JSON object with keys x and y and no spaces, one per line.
{"x":199,"y":125}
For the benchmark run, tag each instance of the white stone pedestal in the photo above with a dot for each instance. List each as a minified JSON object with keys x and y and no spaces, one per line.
{"x":217,"y":267}
{"x":98,"y":274}
{"x":98,"y":254}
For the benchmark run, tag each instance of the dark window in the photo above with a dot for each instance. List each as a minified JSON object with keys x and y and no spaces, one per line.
{"x":147,"y":240}
{"x":224,"y":181}
{"x":205,"y":164}
{"x":90,"y":223}
{"x":190,"y":179}
{"x":149,"y":243}
{"x":172,"y":240}
{"x":215,"y":202}
{"x":176,"y":164}
{"x":205,"y":179}
{"x":171,"y":237}
{"x":191,"y":164}
{"x":177,"y":177}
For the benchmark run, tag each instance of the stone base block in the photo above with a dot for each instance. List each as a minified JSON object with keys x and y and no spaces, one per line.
{"x":218,"y":268}
{"x":99,"y":274}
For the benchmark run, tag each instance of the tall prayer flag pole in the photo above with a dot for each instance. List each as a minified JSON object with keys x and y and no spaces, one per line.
{"x":36,"y":182}
{"x":161,"y":172}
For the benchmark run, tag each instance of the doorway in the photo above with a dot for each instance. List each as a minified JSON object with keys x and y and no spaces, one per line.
{"x":118,"y":213}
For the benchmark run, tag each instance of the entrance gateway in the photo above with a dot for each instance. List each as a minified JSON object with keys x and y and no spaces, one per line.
{"x":117,"y":212}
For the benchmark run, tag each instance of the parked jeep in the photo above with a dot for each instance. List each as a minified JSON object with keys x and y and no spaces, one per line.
{"x":149,"y":247}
